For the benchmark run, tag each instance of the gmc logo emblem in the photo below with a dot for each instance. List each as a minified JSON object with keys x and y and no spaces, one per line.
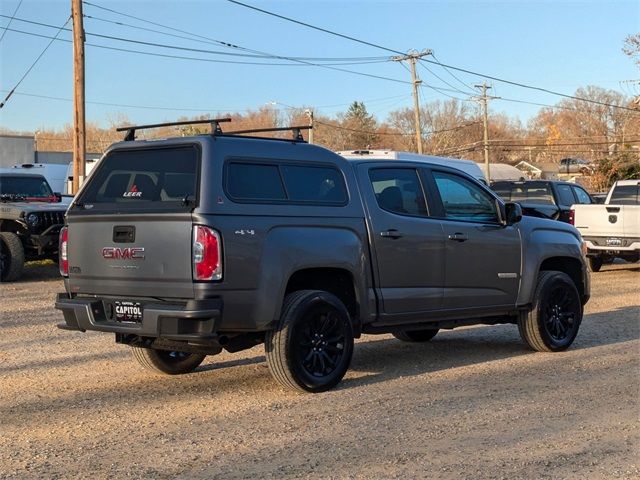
{"x":128,"y":253}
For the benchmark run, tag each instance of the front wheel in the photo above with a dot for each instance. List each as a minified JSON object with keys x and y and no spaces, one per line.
{"x":166,"y":361}
{"x":310,"y":348}
{"x":552,"y":323}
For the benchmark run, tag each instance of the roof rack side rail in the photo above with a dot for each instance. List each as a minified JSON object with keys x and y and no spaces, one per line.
{"x":214,"y":122}
{"x":297,"y":131}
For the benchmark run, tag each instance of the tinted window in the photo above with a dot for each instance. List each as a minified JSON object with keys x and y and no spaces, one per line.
{"x":626,"y":195}
{"x":525,"y":193}
{"x":565,"y":195}
{"x":398,"y":190}
{"x":33,"y":187}
{"x":253,"y":181}
{"x":314,"y":184}
{"x":583,"y":197}
{"x":463,"y":200}
{"x":144,"y":177}
{"x":303,"y":184}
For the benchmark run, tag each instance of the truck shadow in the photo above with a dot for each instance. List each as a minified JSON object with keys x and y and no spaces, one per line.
{"x":39,"y":271}
{"x":389,"y":358}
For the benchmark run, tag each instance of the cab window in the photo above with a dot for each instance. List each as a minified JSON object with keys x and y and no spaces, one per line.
{"x":398,"y":190}
{"x":582,"y":196}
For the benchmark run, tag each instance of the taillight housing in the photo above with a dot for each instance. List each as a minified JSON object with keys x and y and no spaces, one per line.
{"x":572,"y":216}
{"x":207,"y":254}
{"x":63,"y":261}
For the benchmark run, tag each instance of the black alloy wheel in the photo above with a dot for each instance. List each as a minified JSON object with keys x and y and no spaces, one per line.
{"x":561,"y":313}
{"x":320,"y":342}
{"x":310,"y":348}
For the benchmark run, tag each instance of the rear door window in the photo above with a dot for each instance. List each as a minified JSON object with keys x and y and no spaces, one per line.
{"x":398,"y":190}
{"x":149,"y":178}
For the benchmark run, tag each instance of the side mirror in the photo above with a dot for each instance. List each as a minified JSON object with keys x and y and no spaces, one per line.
{"x":57,"y":196}
{"x":513,"y":213}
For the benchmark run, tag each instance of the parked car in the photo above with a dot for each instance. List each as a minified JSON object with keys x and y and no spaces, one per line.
{"x":611,"y":230}
{"x":575,"y":165}
{"x":186,"y":246}
{"x":31,"y":217}
{"x":543,"y":198}
{"x":54,"y":173}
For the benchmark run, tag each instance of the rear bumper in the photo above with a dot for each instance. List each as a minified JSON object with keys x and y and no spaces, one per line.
{"x":197,"y":320}
{"x":598,"y":245}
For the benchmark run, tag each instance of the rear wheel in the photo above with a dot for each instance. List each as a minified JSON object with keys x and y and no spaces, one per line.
{"x":166,"y":361}
{"x":11,"y":257}
{"x":595,"y":263}
{"x":417,"y":336}
{"x":311,"y":347}
{"x":553,"y":322}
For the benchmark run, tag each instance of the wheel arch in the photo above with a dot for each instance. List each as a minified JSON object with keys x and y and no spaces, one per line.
{"x":573,"y":267}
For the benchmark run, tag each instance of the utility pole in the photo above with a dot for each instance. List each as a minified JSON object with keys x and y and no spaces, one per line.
{"x":484,"y":100}
{"x":79,"y":131}
{"x":412,"y":57}
{"x":309,"y":114}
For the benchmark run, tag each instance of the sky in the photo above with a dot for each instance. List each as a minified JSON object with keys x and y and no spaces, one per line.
{"x":557,"y":45}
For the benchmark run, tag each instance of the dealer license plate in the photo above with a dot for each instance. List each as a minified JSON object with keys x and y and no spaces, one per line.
{"x":614,"y":242}
{"x":128,"y":312}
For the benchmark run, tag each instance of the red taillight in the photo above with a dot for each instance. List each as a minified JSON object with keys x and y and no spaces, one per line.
{"x":207,"y":254}
{"x":62,"y":252}
{"x":572,"y":216}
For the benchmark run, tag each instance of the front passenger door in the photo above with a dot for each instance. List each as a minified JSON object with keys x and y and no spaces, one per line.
{"x":482,"y":265}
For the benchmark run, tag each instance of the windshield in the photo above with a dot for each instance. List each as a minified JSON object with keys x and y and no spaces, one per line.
{"x":148,"y":178}
{"x":25,"y":186}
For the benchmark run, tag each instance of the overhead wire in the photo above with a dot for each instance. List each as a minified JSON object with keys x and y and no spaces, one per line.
{"x":230,"y":45}
{"x":401,"y":134}
{"x":11,"y":19}
{"x":6,"y":99}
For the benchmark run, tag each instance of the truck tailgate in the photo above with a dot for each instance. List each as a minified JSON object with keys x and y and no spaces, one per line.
{"x":119,"y":254}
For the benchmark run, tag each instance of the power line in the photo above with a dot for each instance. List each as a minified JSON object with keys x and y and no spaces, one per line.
{"x":343,"y":61}
{"x":400,"y":134}
{"x":451,"y":73}
{"x":11,"y":19}
{"x":532,"y":87}
{"x":6,"y":99}
{"x":230,"y":45}
{"x":315,"y":28}
{"x":210,"y":60}
{"x":192,"y":39}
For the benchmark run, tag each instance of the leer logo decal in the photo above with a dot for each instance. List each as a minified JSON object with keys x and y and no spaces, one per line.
{"x":128,"y":253}
{"x":133,"y":192}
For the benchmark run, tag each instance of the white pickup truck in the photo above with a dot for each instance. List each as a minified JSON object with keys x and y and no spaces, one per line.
{"x":613,"y":229}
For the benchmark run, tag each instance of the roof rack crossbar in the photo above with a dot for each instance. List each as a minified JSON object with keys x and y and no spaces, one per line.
{"x":214,"y":122}
{"x":297,"y":131}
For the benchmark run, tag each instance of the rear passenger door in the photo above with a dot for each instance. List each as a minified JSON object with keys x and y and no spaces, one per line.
{"x":409,"y":246}
{"x":482,"y":256}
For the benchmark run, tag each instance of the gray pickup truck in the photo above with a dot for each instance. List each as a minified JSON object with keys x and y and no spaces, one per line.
{"x":31,"y":217}
{"x":186,"y":246}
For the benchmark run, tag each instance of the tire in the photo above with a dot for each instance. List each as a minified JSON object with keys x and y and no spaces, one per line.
{"x":11,"y":257}
{"x":595,"y":263}
{"x":311,"y":346}
{"x":167,"y":362}
{"x":553,"y":322}
{"x":416,"y":336}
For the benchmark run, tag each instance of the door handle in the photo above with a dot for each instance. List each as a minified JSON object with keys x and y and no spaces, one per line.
{"x":391,"y":233}
{"x":458,"y":237}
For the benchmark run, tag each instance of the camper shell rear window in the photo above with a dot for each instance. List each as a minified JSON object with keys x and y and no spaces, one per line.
{"x":145,"y":178}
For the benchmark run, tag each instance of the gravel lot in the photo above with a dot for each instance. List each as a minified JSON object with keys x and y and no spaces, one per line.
{"x":472,"y":404}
